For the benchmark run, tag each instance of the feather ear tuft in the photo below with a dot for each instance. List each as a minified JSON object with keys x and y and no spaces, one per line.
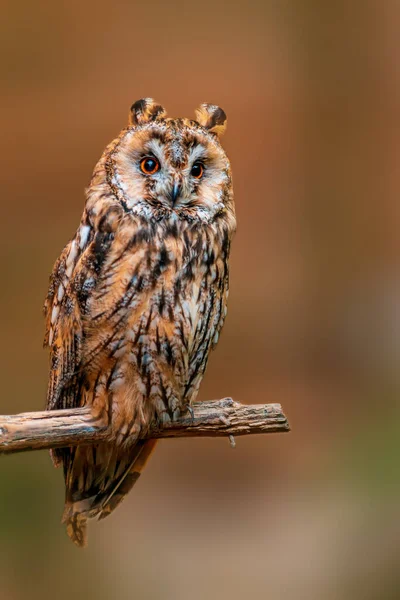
{"x":211,"y":117}
{"x":145,"y":110}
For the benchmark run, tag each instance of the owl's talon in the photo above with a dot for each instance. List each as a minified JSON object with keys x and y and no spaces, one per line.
{"x":191,"y":412}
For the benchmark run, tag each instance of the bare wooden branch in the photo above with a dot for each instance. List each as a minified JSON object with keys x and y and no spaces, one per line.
{"x":70,"y":427}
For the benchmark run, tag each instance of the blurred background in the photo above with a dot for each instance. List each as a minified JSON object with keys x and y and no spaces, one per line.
{"x":311,"y":90}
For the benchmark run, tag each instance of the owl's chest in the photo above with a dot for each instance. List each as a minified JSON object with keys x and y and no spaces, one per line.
{"x":167,"y":320}
{"x":155,"y":294}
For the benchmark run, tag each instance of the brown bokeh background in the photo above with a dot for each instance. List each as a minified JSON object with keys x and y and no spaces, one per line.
{"x":311,"y":90}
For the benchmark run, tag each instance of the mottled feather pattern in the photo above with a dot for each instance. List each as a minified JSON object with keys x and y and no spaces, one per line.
{"x":138,"y":298}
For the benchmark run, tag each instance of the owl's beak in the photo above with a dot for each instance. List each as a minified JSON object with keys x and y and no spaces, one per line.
{"x":176,"y":190}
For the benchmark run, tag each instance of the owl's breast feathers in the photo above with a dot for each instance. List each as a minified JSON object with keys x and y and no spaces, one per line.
{"x":133,"y":310}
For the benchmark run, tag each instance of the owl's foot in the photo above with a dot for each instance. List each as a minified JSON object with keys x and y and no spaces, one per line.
{"x":178,"y":412}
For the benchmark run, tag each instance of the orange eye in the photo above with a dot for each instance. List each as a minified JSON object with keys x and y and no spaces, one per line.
{"x":149,"y":165}
{"x":197,"y":170}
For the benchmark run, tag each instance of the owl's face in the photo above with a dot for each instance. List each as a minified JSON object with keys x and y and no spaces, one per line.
{"x":163,"y":167}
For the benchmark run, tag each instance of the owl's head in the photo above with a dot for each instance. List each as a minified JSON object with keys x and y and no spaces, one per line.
{"x":160,"y":166}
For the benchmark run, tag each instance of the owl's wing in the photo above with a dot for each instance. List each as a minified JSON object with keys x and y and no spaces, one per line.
{"x":71,"y":284}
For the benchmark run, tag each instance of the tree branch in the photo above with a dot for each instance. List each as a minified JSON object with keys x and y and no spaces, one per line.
{"x":70,"y":427}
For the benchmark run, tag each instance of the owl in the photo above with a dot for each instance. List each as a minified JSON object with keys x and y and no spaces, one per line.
{"x":138,"y":297}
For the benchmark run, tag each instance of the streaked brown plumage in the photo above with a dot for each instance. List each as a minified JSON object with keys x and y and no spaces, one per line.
{"x":138,"y":298}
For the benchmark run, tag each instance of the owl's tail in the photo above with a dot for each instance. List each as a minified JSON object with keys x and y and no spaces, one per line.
{"x":97,"y":479}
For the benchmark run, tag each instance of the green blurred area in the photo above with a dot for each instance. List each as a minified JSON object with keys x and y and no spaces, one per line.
{"x":311,"y":91}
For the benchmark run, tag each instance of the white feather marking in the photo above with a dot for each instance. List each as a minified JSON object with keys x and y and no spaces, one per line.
{"x":60,"y":292}
{"x":84,"y":234}
{"x":72,"y":253}
{"x":71,"y":259}
{"x":54,"y":314}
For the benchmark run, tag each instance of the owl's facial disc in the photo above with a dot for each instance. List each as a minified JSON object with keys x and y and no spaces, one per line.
{"x":171,"y":166}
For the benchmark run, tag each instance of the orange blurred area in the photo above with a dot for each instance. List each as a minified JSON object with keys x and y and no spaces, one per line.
{"x":311,"y":91}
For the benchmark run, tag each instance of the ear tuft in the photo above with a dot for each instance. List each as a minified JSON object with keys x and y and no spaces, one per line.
{"x":145,"y":110}
{"x":211,"y":117}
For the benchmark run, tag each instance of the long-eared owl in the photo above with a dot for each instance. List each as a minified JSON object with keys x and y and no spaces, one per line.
{"x":138,"y":297}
